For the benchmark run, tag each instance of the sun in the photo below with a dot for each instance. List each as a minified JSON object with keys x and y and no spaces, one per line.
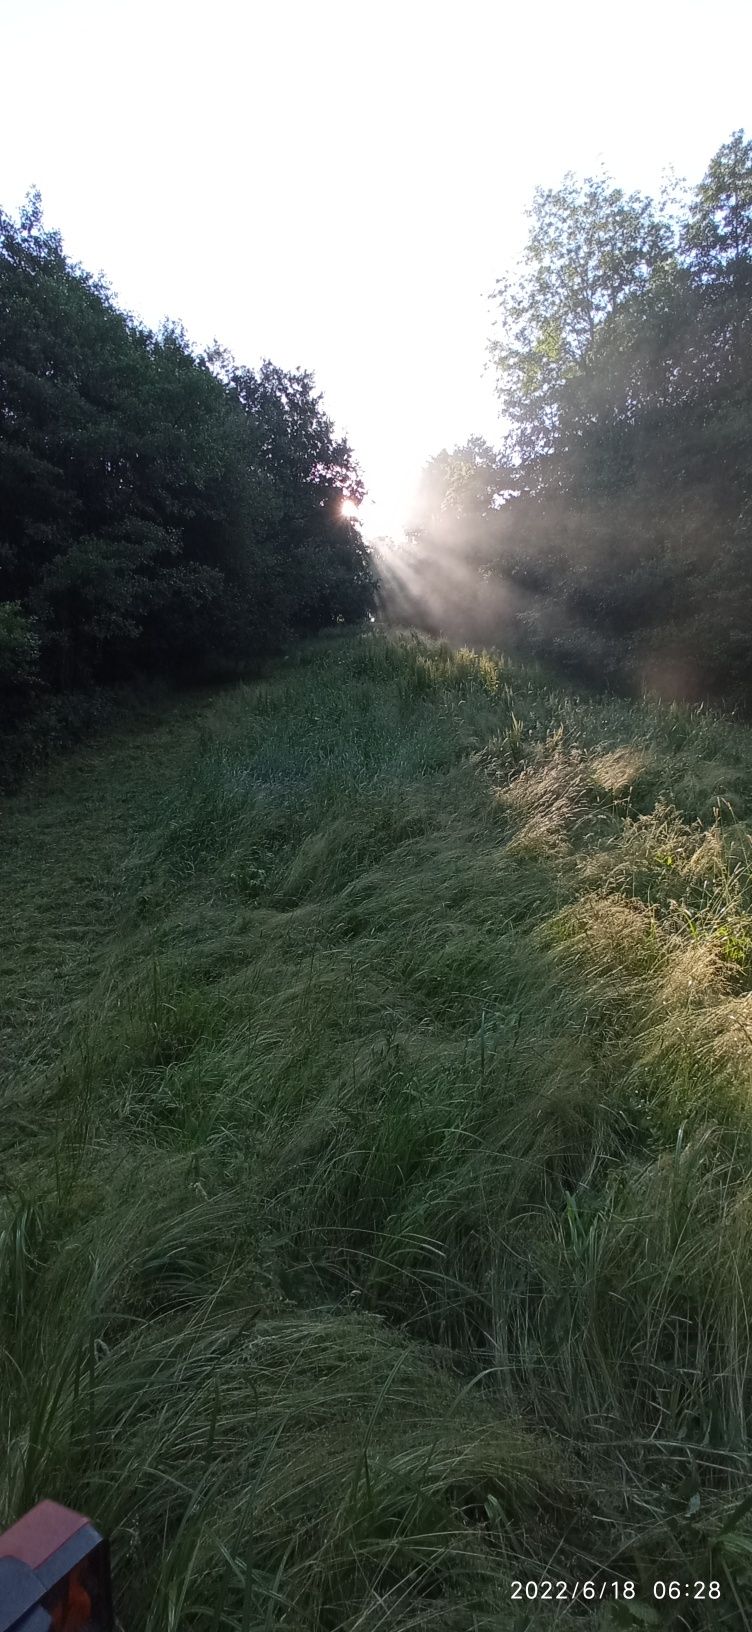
{"x":349,"y":510}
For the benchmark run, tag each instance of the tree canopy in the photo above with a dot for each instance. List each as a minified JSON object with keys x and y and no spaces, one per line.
{"x":622,"y":349}
{"x":160,"y":511}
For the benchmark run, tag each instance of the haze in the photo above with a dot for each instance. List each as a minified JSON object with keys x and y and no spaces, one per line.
{"x":339,"y":186}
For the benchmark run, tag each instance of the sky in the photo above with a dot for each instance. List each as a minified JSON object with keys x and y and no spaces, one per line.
{"x":338,"y":185}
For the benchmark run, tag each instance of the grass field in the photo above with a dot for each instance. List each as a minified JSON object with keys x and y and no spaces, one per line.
{"x":376,"y":1154}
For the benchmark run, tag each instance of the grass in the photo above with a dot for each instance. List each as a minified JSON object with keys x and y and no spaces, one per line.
{"x":375,"y":1150}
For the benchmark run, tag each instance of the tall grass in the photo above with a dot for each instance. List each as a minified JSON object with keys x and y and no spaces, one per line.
{"x":375,"y":1150}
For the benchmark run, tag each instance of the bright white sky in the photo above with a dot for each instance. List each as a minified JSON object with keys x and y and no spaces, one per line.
{"x":338,"y":184}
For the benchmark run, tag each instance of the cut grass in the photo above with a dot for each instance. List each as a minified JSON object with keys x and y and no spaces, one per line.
{"x":375,"y":1149}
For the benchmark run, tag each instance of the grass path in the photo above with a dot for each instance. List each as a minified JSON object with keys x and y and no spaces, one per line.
{"x":64,"y":841}
{"x":375,"y":1160}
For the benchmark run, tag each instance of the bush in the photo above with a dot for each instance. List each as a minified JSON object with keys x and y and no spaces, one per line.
{"x":19,"y":657}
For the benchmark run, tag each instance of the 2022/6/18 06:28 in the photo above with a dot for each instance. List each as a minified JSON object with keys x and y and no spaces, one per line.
{"x":590,"y":1591}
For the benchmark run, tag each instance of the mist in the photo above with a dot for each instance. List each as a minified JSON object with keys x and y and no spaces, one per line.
{"x":437,"y":586}
{"x":609,"y":535}
{"x":623,"y":596}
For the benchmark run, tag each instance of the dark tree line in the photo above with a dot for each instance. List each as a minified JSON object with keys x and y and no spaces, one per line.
{"x":615,"y":523}
{"x":161,"y":513}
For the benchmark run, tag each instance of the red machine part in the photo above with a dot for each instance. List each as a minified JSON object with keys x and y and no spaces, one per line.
{"x":56,"y":1568}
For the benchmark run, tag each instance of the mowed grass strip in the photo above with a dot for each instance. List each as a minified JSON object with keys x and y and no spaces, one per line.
{"x":375,"y":1149}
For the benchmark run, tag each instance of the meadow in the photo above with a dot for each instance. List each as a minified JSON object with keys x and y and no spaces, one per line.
{"x":375,"y":1150}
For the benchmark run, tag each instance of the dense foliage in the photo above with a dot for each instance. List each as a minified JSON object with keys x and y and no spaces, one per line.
{"x":160,"y":512}
{"x":618,"y":517}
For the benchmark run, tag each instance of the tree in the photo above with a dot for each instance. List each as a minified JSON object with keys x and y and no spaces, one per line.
{"x":159,"y":511}
{"x":463,"y":484}
{"x":625,"y":371}
{"x":590,"y":248}
{"x":717,"y":238}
